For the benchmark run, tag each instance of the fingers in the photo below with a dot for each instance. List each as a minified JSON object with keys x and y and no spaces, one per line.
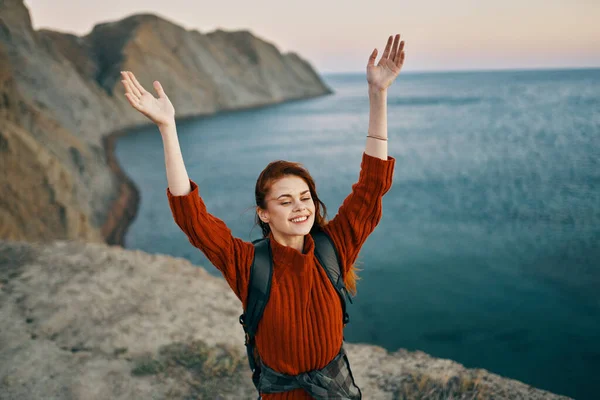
{"x":399,"y":60}
{"x":133,"y":101}
{"x":129,"y":90}
{"x":394,"y":50}
{"x":388,"y":46}
{"x":372,"y":58}
{"x":129,"y":87}
{"x":159,"y":89}
{"x":136,"y":84}
{"x":128,"y":81}
{"x":131,"y":93}
{"x":395,"y":47}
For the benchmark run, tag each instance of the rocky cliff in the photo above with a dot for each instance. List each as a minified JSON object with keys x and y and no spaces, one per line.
{"x":61,"y":104}
{"x":91,"y":321}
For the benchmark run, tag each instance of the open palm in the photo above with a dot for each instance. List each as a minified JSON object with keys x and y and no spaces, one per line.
{"x":382,"y":75}
{"x":158,"y":110}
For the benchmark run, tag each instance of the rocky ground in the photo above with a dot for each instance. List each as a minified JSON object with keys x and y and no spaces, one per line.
{"x":91,"y":321}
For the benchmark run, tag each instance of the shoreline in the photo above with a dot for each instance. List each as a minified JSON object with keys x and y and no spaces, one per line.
{"x":123,"y":210}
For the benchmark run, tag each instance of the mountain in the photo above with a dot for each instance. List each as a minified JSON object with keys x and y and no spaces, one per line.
{"x":62,"y":105}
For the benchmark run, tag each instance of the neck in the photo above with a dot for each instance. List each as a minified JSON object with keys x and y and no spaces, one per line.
{"x":293,"y":241}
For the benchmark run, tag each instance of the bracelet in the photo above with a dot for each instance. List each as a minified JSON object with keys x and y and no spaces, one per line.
{"x":375,"y":137}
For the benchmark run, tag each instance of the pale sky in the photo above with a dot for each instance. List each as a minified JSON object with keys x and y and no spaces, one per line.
{"x":338,"y":36}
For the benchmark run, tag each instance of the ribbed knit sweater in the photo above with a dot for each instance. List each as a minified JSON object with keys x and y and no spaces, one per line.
{"x":301,"y":328}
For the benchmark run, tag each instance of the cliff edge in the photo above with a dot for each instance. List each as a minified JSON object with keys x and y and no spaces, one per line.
{"x":101,"y":322}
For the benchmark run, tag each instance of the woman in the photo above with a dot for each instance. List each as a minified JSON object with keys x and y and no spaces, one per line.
{"x":301,"y":330}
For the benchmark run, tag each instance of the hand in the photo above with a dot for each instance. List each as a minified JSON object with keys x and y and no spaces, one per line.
{"x":382,"y":75}
{"x":160,"y":111}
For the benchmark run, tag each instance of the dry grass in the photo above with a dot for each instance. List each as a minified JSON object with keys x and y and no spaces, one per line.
{"x":201,"y":371}
{"x":419,"y":386}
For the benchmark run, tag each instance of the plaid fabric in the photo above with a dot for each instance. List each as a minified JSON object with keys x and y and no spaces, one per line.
{"x":334,"y":381}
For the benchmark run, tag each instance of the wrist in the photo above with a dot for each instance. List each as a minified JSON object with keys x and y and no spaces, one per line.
{"x":166,"y":126}
{"x":375,"y":91}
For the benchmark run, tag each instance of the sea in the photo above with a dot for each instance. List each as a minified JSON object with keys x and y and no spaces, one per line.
{"x":488,"y":250}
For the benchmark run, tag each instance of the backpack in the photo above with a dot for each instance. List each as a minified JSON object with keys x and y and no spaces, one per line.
{"x":259,"y":288}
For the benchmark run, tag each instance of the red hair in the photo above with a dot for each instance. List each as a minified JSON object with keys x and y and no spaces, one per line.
{"x":279,"y":169}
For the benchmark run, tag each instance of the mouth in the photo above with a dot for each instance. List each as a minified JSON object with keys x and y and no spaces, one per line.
{"x":299,"y":220}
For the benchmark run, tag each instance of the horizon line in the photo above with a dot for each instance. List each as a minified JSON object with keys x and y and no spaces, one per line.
{"x":501,"y":69}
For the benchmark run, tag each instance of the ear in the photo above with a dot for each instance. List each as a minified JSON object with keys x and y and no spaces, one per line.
{"x":263,"y":215}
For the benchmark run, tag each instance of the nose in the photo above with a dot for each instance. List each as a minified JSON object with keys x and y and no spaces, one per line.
{"x":299,"y":205}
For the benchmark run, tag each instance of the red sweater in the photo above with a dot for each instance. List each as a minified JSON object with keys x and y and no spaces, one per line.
{"x":301,"y":328}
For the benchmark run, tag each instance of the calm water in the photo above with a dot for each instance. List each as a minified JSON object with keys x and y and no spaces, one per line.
{"x":488,"y":252}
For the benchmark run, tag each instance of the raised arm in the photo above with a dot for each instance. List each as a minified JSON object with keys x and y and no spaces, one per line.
{"x":160,"y":111}
{"x":380,"y":77}
{"x":230,"y":255}
{"x":361,"y":211}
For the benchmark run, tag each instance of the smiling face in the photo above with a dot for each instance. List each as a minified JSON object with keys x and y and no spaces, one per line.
{"x":288,"y":199}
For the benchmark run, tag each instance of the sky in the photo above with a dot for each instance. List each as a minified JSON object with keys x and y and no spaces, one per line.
{"x":338,"y":36}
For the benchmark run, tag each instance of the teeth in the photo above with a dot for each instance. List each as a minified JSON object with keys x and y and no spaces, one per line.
{"x":300,"y":219}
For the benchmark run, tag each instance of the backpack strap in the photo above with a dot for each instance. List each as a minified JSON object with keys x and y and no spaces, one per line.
{"x":329,"y":259}
{"x":259,"y":290}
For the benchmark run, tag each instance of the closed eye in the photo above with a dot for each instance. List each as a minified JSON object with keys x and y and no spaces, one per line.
{"x":287,"y":202}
